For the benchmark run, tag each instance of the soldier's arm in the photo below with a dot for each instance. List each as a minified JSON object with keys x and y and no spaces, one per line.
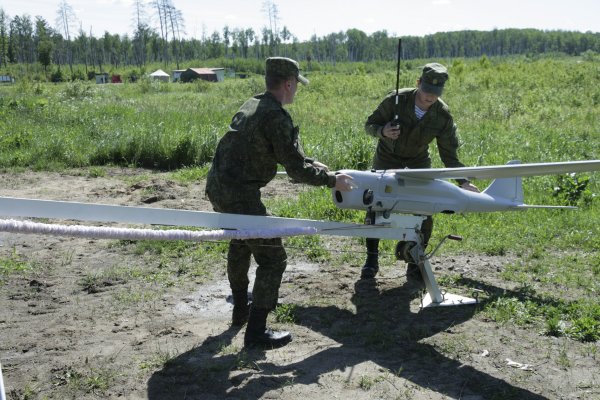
{"x":288,"y":152}
{"x":448,"y":144}
{"x":383,"y":114}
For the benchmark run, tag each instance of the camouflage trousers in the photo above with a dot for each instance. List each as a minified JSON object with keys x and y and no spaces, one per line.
{"x":269,"y":254}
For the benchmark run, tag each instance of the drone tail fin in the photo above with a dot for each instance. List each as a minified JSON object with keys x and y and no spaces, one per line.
{"x":509,"y":189}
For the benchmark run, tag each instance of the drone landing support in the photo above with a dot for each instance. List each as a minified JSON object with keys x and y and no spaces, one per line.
{"x":410,"y":249}
{"x":435,"y":297}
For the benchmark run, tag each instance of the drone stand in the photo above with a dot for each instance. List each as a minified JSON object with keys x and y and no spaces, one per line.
{"x":410,"y":249}
{"x":435,"y":297}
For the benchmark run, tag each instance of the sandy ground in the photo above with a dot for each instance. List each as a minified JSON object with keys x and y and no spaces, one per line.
{"x":69,"y":329}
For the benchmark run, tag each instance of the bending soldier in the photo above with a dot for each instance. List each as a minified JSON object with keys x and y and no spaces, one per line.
{"x":260,"y":137}
{"x":422,"y":118}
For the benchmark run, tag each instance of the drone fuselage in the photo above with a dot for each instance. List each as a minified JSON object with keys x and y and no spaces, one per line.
{"x":389,"y":191}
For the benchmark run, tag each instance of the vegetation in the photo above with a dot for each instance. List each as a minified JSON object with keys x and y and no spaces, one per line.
{"x":33,"y":48}
{"x":536,"y":109}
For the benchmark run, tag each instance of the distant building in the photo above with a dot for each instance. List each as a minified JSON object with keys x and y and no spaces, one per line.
{"x":177,"y":74}
{"x":102,"y":78}
{"x":6,"y":79}
{"x":160,"y":75}
{"x":207,"y":74}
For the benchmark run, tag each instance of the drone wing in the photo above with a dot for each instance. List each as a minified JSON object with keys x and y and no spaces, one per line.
{"x":512,"y":169}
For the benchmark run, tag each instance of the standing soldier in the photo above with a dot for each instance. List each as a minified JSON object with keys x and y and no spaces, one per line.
{"x":422,"y":117}
{"x":262,"y":135}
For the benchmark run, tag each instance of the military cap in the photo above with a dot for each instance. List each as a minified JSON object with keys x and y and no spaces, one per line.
{"x":433,"y":78}
{"x":284,"y":67}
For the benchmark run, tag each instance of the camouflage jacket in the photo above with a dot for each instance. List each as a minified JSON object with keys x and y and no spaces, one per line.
{"x":262,"y":135}
{"x":411,"y":149}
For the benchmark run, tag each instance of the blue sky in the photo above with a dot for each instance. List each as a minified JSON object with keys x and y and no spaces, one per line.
{"x":307,"y":17}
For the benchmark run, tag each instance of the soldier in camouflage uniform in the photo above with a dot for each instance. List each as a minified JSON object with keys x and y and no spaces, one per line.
{"x":404,"y":143}
{"x":260,"y":137}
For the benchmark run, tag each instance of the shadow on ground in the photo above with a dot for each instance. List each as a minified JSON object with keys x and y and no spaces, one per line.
{"x":383,"y":330}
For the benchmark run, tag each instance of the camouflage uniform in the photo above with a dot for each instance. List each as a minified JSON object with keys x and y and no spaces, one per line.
{"x":411,"y":148}
{"x":261,"y":135}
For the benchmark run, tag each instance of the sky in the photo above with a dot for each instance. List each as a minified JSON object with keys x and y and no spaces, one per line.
{"x":304,"y":18}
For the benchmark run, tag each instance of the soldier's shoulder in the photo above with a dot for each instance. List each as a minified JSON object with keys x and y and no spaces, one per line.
{"x":404,"y":92}
{"x":444,"y":109}
{"x":268,"y":104}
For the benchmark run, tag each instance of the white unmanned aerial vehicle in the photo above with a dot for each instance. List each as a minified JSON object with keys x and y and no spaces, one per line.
{"x":399,"y":199}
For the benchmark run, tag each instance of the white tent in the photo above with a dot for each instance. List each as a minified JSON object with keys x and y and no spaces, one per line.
{"x":160,"y":75}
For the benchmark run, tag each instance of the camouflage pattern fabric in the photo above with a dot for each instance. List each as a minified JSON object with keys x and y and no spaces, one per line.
{"x":284,"y":67}
{"x":261,"y":135}
{"x":269,"y":254}
{"x":271,"y":260}
{"x":411,"y":149}
{"x":433,"y":78}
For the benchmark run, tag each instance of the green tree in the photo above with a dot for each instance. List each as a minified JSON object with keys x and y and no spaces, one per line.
{"x":45,"y":48}
{"x":3,"y":38}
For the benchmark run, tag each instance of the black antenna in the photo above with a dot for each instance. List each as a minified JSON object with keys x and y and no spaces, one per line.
{"x":396,"y":117}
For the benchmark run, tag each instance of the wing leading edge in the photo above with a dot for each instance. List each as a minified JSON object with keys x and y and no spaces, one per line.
{"x":512,"y":169}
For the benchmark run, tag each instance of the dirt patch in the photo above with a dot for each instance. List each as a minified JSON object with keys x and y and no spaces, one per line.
{"x":72,"y":327}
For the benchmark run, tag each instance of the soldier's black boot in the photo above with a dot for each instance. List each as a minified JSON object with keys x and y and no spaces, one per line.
{"x":371,"y":267}
{"x":240,"y":308}
{"x":258,"y":335}
{"x":412,"y":270}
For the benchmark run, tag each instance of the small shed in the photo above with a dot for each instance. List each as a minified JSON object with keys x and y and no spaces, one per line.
{"x":177,"y":74}
{"x":160,"y":75}
{"x":220,"y":73}
{"x":102,"y":77}
{"x":208,"y":74}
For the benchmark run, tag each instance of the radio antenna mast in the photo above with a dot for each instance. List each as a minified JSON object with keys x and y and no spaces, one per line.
{"x":396,"y":116}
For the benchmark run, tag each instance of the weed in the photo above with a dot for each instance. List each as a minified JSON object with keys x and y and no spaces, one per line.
{"x":242,"y":362}
{"x":366,"y":382}
{"x":189,"y":175}
{"x":505,"y":309}
{"x":13,"y":265}
{"x":285,"y":313}
{"x":585,"y":329}
{"x":227,"y":349}
{"x":96,"y":172}
{"x":159,"y":359}
{"x":454,"y":346}
{"x":571,"y":189}
{"x":563,"y":358}
{"x":97,"y":282}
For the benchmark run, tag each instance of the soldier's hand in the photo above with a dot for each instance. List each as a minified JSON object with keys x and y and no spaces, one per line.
{"x":391,"y":131}
{"x":344,"y":183}
{"x":470,"y":187}
{"x":320,"y":165}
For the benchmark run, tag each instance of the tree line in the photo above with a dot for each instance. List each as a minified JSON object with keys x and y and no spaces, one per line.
{"x":24,"y":40}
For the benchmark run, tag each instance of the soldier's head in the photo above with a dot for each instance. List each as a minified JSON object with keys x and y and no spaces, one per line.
{"x":431,"y":84}
{"x":433,"y":78}
{"x":282,"y":77}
